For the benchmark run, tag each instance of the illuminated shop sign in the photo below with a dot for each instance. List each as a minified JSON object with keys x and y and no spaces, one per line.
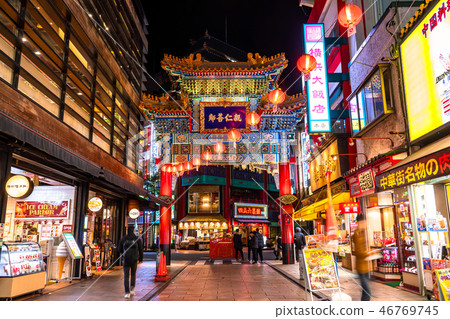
{"x":362,"y":183}
{"x":19,"y":186}
{"x":426,"y":168}
{"x":95,"y":204}
{"x":324,"y":162}
{"x":252,"y":211}
{"x":221,"y":117}
{"x":350,"y":208}
{"x":317,"y":85}
{"x":35,"y":210}
{"x":425,"y":55}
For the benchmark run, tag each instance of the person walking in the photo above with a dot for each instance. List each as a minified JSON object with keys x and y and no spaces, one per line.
{"x":250,"y":240}
{"x":260,"y":239}
{"x":132,"y":251}
{"x":300,"y":243}
{"x":254,"y":247}
{"x":177,"y":241}
{"x":237,"y":241}
{"x":361,"y":253}
{"x":278,"y":247}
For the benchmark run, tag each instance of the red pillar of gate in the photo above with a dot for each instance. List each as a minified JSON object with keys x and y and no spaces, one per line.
{"x":287,"y":223}
{"x":165,"y":217}
{"x":227,"y":197}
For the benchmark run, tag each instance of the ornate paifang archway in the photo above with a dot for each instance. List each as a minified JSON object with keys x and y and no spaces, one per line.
{"x":213,"y":99}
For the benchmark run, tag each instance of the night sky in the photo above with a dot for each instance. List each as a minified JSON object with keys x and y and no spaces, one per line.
{"x":266,"y":26}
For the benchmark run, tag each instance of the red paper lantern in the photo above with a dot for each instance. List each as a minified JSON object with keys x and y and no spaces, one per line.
{"x":252,"y":118}
{"x":350,"y":15}
{"x":207,"y":155}
{"x":166,"y":168}
{"x":180,"y":168}
{"x":277,"y":96}
{"x":188,"y":166}
{"x":219,"y":147}
{"x":234,"y":135}
{"x":306,"y":63}
{"x":197,"y":161}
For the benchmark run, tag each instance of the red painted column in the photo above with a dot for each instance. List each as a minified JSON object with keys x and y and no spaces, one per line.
{"x":165,"y":220}
{"x":227,"y":197}
{"x":182,"y":199}
{"x":287,"y":223}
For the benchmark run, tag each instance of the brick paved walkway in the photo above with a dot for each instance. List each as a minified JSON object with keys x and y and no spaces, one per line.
{"x":231,"y":282}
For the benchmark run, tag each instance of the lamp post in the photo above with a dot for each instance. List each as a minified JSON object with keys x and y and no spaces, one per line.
{"x":335,"y":156}
{"x":351,"y":139}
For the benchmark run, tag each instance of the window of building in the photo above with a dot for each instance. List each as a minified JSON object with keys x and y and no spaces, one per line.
{"x":204,"y":199}
{"x":372,"y":100}
{"x":76,"y":124}
{"x":31,"y":88}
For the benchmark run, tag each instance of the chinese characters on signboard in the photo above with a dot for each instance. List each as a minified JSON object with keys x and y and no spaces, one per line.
{"x":350,"y":208}
{"x":322,"y":163}
{"x":317,"y":86}
{"x":425,"y":56}
{"x":429,"y":167}
{"x":252,"y":211}
{"x":223,"y":117}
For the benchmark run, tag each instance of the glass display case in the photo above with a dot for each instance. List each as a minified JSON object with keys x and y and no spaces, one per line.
{"x":21,"y":269}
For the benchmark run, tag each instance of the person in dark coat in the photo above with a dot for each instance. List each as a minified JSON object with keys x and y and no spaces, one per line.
{"x":254,"y":246}
{"x":237,"y":241}
{"x":250,"y":240}
{"x":300,"y":243}
{"x":260,"y":239}
{"x":132,"y":251}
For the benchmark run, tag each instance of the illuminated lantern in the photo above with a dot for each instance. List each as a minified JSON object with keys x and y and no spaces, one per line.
{"x":197,"y":161}
{"x":188,"y":166}
{"x":217,"y":225}
{"x":306,"y":63}
{"x":277,"y":96}
{"x":207,"y":155}
{"x":166,"y":168}
{"x":211,"y":225}
{"x":224,"y":225}
{"x":234,"y":135}
{"x":350,"y":15}
{"x":192,"y":225}
{"x":252,"y":118}
{"x":180,"y":168}
{"x":180,"y":226}
{"x":205,"y":225}
{"x":197,"y":225}
{"x":169,"y":168}
{"x":219,"y":147}
{"x":186,"y":225}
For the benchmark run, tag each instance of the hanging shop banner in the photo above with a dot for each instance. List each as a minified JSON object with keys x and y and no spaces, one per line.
{"x":320,"y":269}
{"x":95,"y":204}
{"x":39,"y":210}
{"x":423,"y":169}
{"x":19,"y":186}
{"x":317,"y":85}
{"x":221,"y":117}
{"x":323,"y":162}
{"x":74,"y":250}
{"x":425,"y":55}
{"x":350,"y":208}
{"x":253,"y":211}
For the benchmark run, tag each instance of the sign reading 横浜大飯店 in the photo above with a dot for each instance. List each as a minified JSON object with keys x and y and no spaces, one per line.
{"x":36,"y":210}
{"x":426,"y":168}
{"x":253,"y":211}
{"x":221,"y":117}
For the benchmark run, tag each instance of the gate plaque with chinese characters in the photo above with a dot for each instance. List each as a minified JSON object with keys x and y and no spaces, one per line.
{"x":221,"y":117}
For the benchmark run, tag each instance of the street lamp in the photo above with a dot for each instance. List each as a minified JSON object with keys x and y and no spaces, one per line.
{"x":351,"y":140}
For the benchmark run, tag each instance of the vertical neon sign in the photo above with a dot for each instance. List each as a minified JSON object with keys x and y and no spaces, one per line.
{"x":317,"y":86}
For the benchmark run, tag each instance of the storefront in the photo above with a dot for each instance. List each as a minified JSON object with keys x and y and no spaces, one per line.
{"x":423,"y":214}
{"x":199,"y":229}
{"x":247,"y":217}
{"x":381,"y":215}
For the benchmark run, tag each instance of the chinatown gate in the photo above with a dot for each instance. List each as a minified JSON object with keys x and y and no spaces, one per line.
{"x":210,"y":120}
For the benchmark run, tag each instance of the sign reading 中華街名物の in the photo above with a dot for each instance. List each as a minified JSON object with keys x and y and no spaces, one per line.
{"x":252,"y":211}
{"x":425,"y":56}
{"x":317,"y":85}
{"x":222,"y":117}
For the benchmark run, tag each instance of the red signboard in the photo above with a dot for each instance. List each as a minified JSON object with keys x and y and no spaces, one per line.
{"x":350,"y":208}
{"x":31,"y":209}
{"x":244,"y":210}
{"x":67,"y":229}
{"x":222,"y":247}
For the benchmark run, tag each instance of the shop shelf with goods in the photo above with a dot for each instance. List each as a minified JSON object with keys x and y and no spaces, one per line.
{"x":21,"y":269}
{"x":386,"y":268}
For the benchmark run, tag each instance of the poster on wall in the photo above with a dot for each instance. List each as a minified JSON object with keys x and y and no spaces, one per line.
{"x":320,"y":269}
{"x":443,"y":283}
{"x":87,"y":254}
{"x":437,"y":224}
{"x":425,"y":55}
{"x":42,"y":209}
{"x":421,"y":224}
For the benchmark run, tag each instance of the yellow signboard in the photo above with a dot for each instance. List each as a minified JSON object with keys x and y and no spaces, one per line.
{"x":325,"y":161}
{"x":425,"y":57}
{"x":321,"y":269}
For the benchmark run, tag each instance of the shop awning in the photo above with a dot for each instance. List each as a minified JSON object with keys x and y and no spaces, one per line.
{"x":252,"y":221}
{"x":203,"y":218}
{"x":312,"y":212}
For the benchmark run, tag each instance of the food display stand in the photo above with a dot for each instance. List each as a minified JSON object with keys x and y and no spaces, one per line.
{"x":221,"y":248}
{"x":21,"y":269}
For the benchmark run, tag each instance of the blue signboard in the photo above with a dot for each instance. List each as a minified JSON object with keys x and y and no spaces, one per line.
{"x":221,"y":117}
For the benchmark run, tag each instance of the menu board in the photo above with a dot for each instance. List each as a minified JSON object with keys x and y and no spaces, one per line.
{"x":321,"y":269}
{"x":443,"y":283}
{"x":2,"y":227}
{"x":75,"y":252}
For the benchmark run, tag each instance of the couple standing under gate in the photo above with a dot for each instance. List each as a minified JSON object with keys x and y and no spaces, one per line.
{"x":255,"y":245}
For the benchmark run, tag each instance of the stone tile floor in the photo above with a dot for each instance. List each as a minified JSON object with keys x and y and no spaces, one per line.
{"x":232,"y":282}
